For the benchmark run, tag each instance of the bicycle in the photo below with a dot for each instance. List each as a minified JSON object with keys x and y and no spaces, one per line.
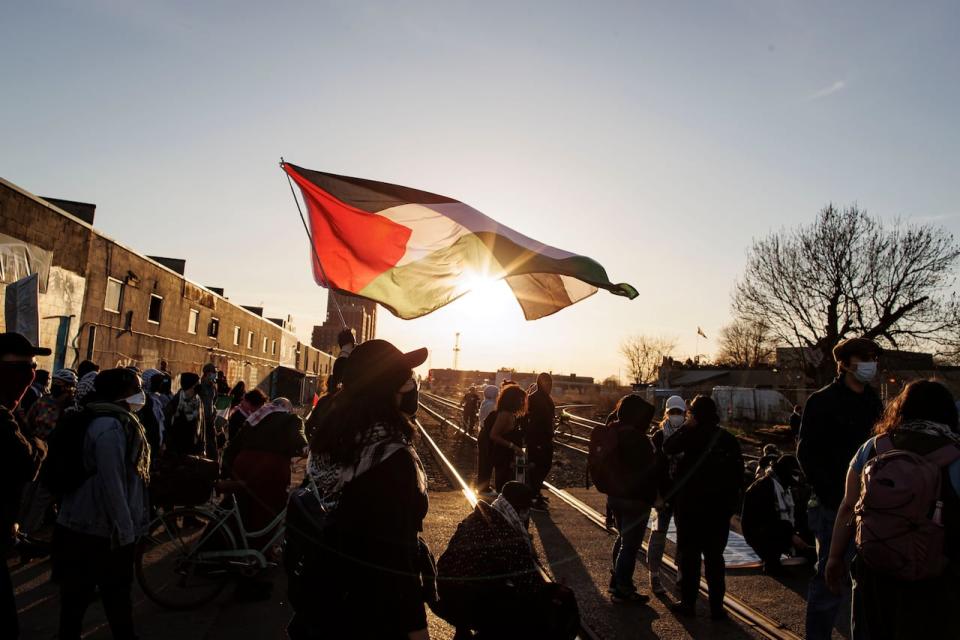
{"x":189,"y":554}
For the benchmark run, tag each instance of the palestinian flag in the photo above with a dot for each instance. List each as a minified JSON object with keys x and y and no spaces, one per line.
{"x":414,"y":251}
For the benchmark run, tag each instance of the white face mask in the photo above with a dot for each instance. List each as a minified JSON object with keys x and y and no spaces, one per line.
{"x":676,"y":421}
{"x":865,"y":371}
{"x":136,"y":401}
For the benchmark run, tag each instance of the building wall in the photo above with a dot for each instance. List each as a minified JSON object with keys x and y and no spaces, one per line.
{"x":83,"y":261}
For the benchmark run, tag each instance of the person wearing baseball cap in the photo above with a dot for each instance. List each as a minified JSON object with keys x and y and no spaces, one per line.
{"x":20,"y":457}
{"x":836,"y":420}
{"x":362,"y":459}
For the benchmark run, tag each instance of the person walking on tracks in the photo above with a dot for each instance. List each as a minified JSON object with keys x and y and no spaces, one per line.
{"x":365,"y":579}
{"x":488,"y":578}
{"x":710,"y":476}
{"x":538,"y":435}
{"x":674,"y":416}
{"x":470,"y":403}
{"x":837,"y":419}
{"x":902,"y":508}
{"x":101,"y":462}
{"x":623,"y":465}
{"x":505,"y":434}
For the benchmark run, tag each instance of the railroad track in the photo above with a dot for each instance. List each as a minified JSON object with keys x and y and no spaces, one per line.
{"x":471,"y":497}
{"x":737,"y":608}
{"x":453,"y":406}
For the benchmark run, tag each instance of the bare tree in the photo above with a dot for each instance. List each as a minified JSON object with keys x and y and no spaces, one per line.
{"x":746,"y":342}
{"x":850,"y":274}
{"x":644,"y":354}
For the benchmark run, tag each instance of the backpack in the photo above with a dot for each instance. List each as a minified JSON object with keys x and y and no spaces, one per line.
{"x":898,"y":518}
{"x":63,"y":469}
{"x":603,"y":459}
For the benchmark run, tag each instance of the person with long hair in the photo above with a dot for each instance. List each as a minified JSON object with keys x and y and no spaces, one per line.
{"x":236,"y":394}
{"x":505,"y":436}
{"x":921,"y":420}
{"x":364,"y":467}
{"x":710,"y":476}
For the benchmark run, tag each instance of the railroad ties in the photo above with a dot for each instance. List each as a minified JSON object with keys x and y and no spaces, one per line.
{"x":575,"y":544}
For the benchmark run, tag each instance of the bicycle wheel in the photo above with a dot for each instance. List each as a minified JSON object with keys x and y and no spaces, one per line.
{"x":171,"y":563}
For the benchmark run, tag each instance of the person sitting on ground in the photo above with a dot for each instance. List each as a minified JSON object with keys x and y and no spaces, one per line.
{"x":768,"y":519}
{"x":769,"y":454}
{"x":505,"y":435}
{"x":98,"y":523}
{"x":184,"y":418}
{"x":259,"y":459}
{"x":488,"y":578}
{"x":623,"y":465}
{"x":707,"y":492}
{"x":364,"y":467}
{"x":673,"y":417}
{"x":906,"y":571}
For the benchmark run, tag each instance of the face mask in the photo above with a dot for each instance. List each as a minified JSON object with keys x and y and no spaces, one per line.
{"x":136,"y":401}
{"x":865,"y":371}
{"x":676,"y":421}
{"x":408,"y":398}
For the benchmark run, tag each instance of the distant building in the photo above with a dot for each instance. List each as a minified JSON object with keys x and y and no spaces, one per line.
{"x":562,"y":383}
{"x":359,"y":314}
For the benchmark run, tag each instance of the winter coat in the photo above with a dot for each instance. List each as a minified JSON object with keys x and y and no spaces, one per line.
{"x":538,"y":430}
{"x":836,"y":421}
{"x":717,"y":481}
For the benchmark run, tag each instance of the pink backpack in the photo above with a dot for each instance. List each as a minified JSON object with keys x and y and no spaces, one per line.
{"x":898,"y":517}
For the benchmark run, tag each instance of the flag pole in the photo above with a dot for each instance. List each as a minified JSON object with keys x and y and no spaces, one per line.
{"x":313,"y":247}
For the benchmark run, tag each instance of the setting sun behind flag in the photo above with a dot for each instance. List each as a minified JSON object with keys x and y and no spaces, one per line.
{"x":414,"y":251}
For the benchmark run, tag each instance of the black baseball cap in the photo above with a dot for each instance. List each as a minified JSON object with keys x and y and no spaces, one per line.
{"x":16,"y":344}
{"x":377,"y":361}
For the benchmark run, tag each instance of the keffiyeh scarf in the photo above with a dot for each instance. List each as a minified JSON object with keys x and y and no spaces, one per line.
{"x":373,"y":446}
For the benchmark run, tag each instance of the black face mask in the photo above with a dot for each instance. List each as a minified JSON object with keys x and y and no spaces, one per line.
{"x":409,"y":398}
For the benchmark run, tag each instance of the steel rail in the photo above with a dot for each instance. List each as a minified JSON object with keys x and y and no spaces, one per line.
{"x":450,"y":404}
{"x":736,"y":607}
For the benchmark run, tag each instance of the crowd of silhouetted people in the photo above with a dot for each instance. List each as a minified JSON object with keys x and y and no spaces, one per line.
{"x":89,"y":457}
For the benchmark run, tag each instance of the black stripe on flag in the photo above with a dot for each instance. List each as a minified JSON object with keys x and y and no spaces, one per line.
{"x":369,"y":195}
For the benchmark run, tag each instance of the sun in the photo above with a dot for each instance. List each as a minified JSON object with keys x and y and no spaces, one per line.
{"x":488,"y":298}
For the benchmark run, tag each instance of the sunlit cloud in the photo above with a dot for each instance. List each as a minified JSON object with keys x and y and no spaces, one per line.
{"x":839,"y":85}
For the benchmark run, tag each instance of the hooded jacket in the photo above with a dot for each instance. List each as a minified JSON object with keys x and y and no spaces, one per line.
{"x":489,"y":401}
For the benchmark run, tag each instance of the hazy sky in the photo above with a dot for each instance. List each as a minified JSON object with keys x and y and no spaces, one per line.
{"x":657,"y":138}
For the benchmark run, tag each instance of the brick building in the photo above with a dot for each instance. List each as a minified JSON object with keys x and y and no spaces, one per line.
{"x":102,"y":301}
{"x":359,"y":314}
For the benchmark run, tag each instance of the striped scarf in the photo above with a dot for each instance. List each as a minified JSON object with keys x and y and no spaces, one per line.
{"x":372,"y":445}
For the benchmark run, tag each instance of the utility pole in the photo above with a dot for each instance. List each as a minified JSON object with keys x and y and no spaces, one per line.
{"x":456,"y":352}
